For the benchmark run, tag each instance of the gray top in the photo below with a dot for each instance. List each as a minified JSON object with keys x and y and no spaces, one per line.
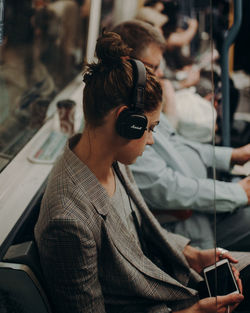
{"x":123,"y":206}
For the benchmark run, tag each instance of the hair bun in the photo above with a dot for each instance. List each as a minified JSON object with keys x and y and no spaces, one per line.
{"x":110,"y":48}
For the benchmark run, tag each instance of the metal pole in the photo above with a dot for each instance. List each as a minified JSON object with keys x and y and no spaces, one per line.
{"x":1,"y":20}
{"x":93,"y":31}
{"x":229,"y":38}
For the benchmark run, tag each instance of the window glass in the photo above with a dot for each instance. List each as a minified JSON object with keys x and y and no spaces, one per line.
{"x":43,"y":49}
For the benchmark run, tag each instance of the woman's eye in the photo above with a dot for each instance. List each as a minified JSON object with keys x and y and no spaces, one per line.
{"x":151,"y":129}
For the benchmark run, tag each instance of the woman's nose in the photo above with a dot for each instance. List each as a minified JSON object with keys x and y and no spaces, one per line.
{"x":150,"y":139}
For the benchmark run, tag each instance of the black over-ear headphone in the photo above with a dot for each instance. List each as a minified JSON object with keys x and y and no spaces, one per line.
{"x":132,"y":123}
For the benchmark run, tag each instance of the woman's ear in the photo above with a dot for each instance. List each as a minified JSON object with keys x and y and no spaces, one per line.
{"x":120,"y":109}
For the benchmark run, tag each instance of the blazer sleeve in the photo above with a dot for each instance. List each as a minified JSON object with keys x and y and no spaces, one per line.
{"x":164,"y":188}
{"x":69,"y":260}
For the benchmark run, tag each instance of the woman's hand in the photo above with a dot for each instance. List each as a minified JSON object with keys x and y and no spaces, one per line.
{"x":224,"y":304}
{"x":209,"y":257}
{"x":198,"y":259}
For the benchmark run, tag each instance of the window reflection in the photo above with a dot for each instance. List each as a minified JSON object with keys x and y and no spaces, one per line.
{"x":43,"y":50}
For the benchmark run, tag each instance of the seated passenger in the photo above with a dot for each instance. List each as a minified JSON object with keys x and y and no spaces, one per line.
{"x":189,"y":70}
{"x":57,"y":25}
{"x":100,"y":247}
{"x":24,"y":80}
{"x":175,"y":39}
{"x":190,"y":114}
{"x":177,"y":177}
{"x":20,"y":61}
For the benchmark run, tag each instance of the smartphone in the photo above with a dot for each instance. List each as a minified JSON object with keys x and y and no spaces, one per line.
{"x":223,"y":274}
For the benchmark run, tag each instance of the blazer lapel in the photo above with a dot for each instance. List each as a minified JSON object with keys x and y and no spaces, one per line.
{"x":128,"y":247}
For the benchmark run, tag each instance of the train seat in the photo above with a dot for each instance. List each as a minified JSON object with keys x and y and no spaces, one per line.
{"x":21,"y":284}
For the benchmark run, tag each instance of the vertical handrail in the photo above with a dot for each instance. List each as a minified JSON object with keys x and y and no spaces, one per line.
{"x":1,"y":20}
{"x":93,"y":30}
{"x":228,"y":39}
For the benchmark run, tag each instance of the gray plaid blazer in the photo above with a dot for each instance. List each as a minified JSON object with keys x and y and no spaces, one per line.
{"x":90,"y":261}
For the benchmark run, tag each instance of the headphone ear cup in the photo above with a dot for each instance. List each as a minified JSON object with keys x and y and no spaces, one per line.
{"x":131,"y":124}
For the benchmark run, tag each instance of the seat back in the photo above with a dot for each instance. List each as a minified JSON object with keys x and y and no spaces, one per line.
{"x":21,"y":284}
{"x":21,"y":290}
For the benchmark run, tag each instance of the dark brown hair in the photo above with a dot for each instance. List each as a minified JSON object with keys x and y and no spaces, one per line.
{"x":109,"y":82}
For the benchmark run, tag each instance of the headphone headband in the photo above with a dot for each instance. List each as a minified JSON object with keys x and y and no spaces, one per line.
{"x":131,"y":122}
{"x":139,"y":76}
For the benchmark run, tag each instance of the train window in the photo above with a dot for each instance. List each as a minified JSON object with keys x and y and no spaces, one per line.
{"x":43,"y":49}
{"x":44,"y":46}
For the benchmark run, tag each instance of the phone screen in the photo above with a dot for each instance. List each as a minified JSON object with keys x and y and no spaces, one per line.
{"x":225,"y":281}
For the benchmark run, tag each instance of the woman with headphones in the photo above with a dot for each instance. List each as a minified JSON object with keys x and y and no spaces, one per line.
{"x":100,"y":247}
